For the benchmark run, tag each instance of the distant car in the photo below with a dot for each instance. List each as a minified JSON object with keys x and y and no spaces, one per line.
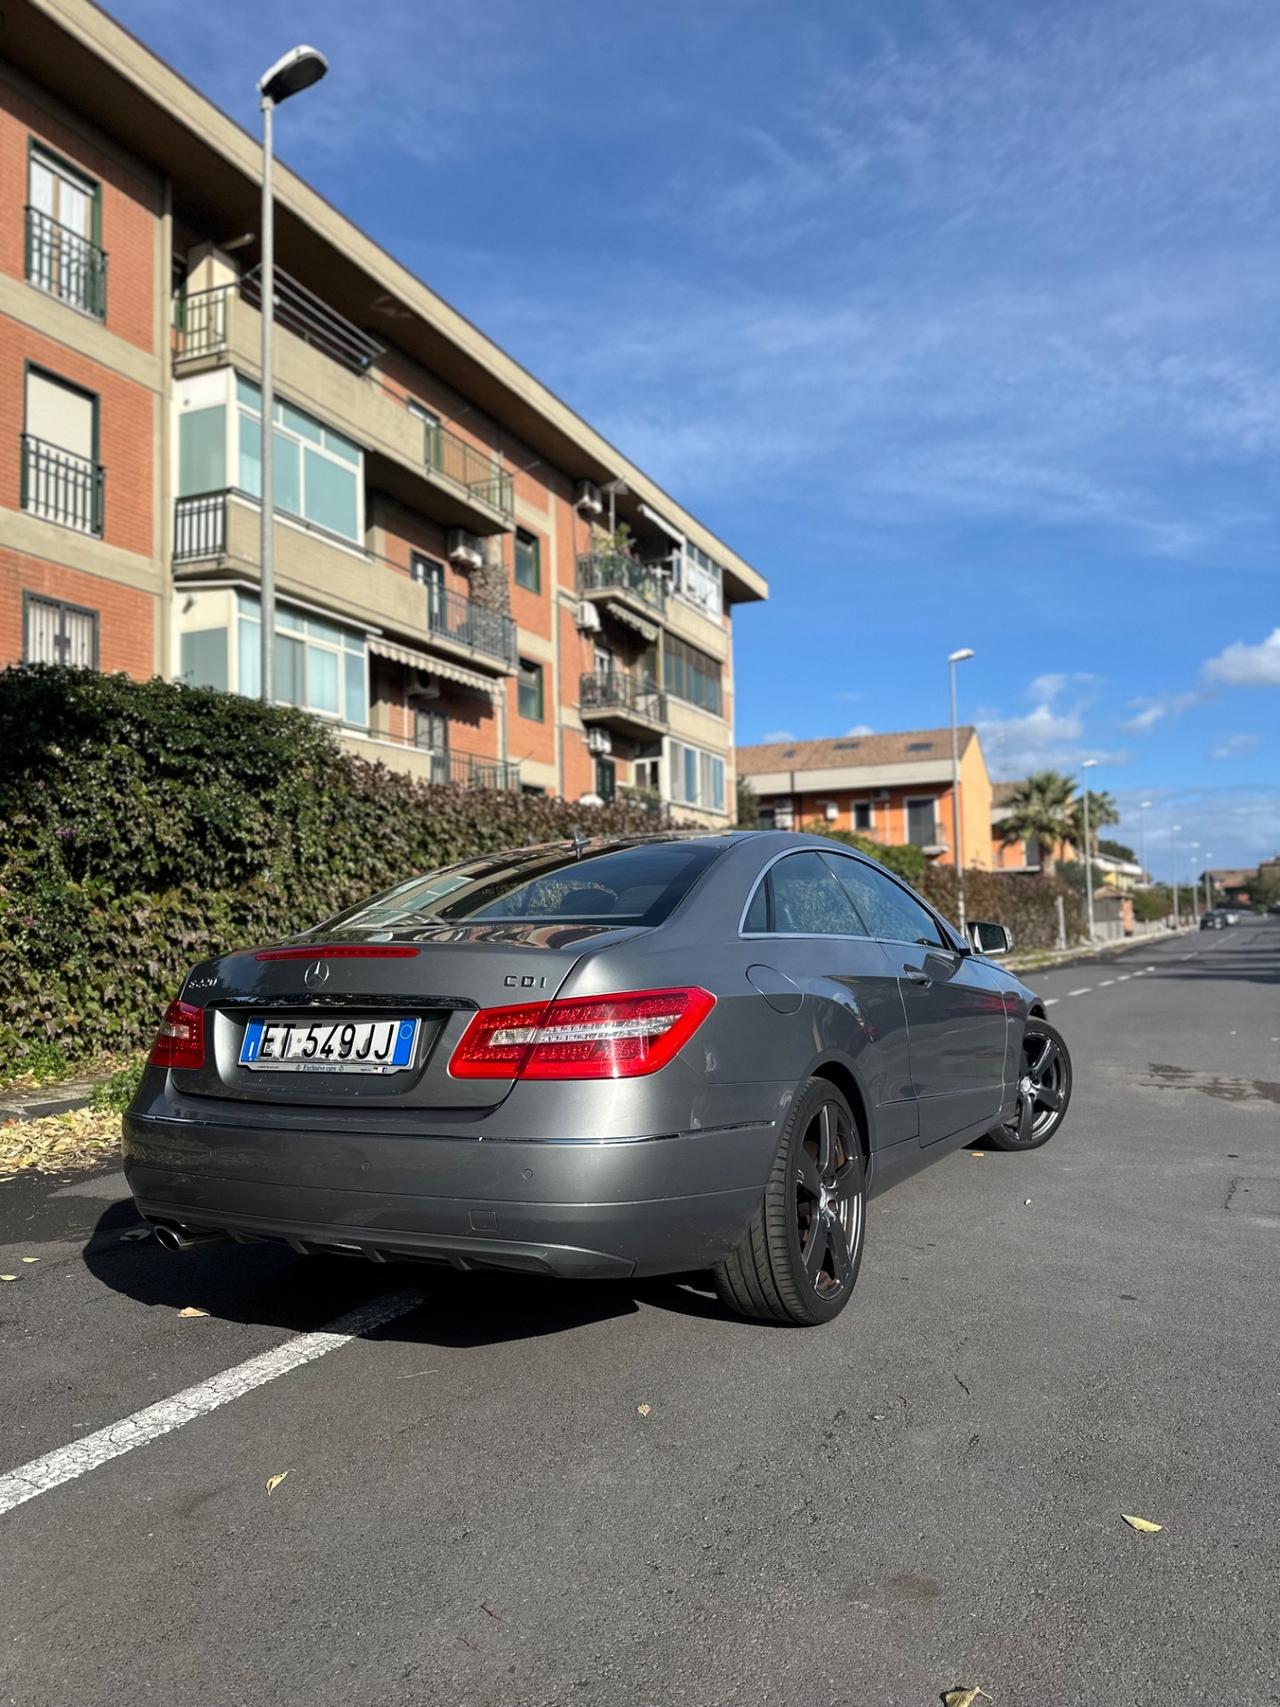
{"x":1229,"y":915}
{"x":1212,"y":921}
{"x":601,"y":1059}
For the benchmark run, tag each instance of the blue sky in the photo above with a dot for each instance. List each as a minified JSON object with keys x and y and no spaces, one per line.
{"x":960,"y":320}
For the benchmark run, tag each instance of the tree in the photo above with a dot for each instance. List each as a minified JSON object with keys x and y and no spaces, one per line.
{"x":1042,"y":810}
{"x":1114,"y":850}
{"x":748,"y":807}
{"x":1102,"y":811}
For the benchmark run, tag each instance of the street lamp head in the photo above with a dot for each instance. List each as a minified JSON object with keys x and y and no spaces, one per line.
{"x":292,"y":73}
{"x":1088,"y":764}
{"x":960,"y":656}
{"x":1144,"y":806}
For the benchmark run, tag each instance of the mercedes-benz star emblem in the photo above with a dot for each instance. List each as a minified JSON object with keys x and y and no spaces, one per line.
{"x":316,"y":974}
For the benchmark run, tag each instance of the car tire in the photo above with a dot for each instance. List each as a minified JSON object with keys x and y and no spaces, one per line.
{"x":798,"y":1261}
{"x":1044,"y":1090}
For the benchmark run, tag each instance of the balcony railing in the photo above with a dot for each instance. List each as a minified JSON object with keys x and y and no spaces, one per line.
{"x":451,"y":616}
{"x":612,"y":571}
{"x":470,"y":468}
{"x":199,"y":526}
{"x":66,"y":264}
{"x":60,"y":486}
{"x":200,"y":321}
{"x":470,"y":770}
{"x":615,"y":690}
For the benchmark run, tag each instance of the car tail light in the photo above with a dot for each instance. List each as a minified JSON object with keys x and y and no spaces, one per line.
{"x":340,"y":951}
{"x":581,"y":1037}
{"x":180,"y":1039}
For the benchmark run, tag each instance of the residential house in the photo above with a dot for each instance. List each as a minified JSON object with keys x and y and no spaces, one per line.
{"x":447,"y":597}
{"x":1025,"y":854}
{"x":894,"y":789}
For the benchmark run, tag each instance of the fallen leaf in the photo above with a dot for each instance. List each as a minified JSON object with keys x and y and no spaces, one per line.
{"x":965,"y":1697}
{"x":1143,"y":1525}
{"x":644,"y":1409}
{"x":977,"y":1154}
{"x":136,"y":1233}
{"x":191,"y":1310}
{"x":8,"y":1277}
{"x":1026,"y":1203}
{"x":31,"y":1259}
{"x":273,"y":1482}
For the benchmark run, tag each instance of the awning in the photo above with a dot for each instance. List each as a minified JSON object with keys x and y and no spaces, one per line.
{"x":621,"y":613}
{"x":431,"y":666}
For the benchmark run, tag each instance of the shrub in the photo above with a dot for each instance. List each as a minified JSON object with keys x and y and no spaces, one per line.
{"x":1028,"y":905}
{"x":147,"y":825}
{"x":907,"y":861}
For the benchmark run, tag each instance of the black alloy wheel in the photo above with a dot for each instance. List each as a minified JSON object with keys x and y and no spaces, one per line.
{"x":1044,"y":1090}
{"x":798,"y":1260}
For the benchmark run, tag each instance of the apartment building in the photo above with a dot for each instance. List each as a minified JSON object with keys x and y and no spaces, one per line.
{"x":894,"y":789}
{"x":472,"y":584}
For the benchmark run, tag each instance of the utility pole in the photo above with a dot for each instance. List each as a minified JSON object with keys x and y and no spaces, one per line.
{"x":1088,"y":764}
{"x":957,"y":853}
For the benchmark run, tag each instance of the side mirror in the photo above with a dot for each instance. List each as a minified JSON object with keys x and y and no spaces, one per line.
{"x":990,"y":939}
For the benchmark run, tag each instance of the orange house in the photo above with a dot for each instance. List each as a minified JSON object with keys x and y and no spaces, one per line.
{"x":895,"y":789}
{"x":1025,"y":854}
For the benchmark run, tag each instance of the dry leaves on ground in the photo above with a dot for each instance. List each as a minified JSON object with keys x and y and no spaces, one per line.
{"x":192,"y":1310}
{"x":965,"y":1697}
{"x":81,"y":1139}
{"x":1143,"y":1525}
{"x":644,"y":1409}
{"x":273,"y":1482}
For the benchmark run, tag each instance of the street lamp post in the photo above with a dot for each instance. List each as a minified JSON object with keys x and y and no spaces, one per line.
{"x":1087,"y":765}
{"x":1194,"y":885}
{"x":297,"y":70}
{"x":1173,"y":860}
{"x":1208,"y":883}
{"x":1143,"y":807}
{"x":957,"y":855}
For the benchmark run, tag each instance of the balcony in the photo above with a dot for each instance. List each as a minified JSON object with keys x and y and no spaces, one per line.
{"x":438,"y":765}
{"x":637,"y":587}
{"x":223,"y":529}
{"x":66,"y":264}
{"x":325,"y":365}
{"x":61,"y":487}
{"x":634,"y":705}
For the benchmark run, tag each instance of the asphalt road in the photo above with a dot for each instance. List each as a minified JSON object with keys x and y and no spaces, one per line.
{"x":926,"y":1494}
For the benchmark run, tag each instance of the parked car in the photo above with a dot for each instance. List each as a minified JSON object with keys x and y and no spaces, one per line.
{"x":603,"y":1058}
{"x":1213,"y":920}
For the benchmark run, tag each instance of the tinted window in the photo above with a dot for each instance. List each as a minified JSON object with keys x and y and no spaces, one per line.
{"x":757,"y":918}
{"x":808,"y":901}
{"x":889,"y":911}
{"x":636,"y":885}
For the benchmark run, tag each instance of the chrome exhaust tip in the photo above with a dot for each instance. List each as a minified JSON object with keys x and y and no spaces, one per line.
{"x":176,"y":1238}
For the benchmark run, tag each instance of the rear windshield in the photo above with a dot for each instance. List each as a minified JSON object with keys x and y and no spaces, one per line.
{"x":637,"y":885}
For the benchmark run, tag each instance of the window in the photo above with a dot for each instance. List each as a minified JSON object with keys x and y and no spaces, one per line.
{"x":864,"y":817}
{"x":922,"y":829}
{"x":805,"y":899}
{"x":316,"y":473}
{"x":890,"y":912}
{"x":203,"y":657}
{"x":648,"y":775}
{"x":637,"y":885}
{"x":697,"y":777}
{"x":528,"y":561}
{"x":63,"y":220}
{"x":61,"y":479}
{"x":606,"y":779}
{"x":57,"y":633}
{"x":202,"y":451}
{"x":530,"y":696}
{"x":699,"y":580}
{"x":319,"y":665}
{"x":692,"y":675}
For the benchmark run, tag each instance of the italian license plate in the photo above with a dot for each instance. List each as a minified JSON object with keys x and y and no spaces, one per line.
{"x":329,"y":1045}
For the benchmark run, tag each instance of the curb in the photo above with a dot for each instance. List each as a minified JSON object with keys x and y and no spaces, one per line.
{"x":64,"y":1098}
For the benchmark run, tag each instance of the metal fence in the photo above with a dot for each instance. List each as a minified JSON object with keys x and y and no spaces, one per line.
{"x":60,"y":486}
{"x":66,"y":264}
{"x":616,"y":690}
{"x":470,"y":468}
{"x":602,"y":571}
{"x":199,"y":526}
{"x":452,"y":616}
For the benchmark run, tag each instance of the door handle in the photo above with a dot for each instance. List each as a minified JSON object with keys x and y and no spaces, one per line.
{"x":916,"y":976}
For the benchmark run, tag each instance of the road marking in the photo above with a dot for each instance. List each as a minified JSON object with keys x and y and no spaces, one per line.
{"x":1106,"y":983}
{"x":67,"y":1462}
{"x":1124,"y":977}
{"x":1084,"y":992}
{"x":1050,"y":1000}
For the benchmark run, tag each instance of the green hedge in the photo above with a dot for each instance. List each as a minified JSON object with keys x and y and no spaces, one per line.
{"x":145,"y":825}
{"x":1028,"y":905}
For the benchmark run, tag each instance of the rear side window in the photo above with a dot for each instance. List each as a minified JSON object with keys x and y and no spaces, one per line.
{"x":805,"y":899}
{"x":637,"y":885}
{"x":886,"y":906}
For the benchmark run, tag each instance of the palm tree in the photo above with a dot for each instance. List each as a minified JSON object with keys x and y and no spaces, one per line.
{"x":1102,"y":811}
{"x":1042,"y":809}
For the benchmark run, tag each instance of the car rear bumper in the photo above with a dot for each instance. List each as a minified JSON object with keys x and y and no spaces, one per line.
{"x":584,"y":1210}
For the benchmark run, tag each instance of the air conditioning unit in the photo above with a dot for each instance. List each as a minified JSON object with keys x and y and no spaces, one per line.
{"x":880,"y":794}
{"x":465,"y":548}
{"x":422,"y":686}
{"x":599,"y":741}
{"x":588,"y":617}
{"x":831,"y":811}
{"x":784,"y":817}
{"x":587,"y":498}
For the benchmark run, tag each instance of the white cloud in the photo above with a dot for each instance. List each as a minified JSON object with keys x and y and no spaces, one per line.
{"x":1150,"y":712}
{"x":777,"y":735}
{"x":1235,"y":747}
{"x":1241,"y":665}
{"x":860,"y":729}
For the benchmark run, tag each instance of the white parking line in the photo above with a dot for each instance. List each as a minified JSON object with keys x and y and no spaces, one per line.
{"x":1084,"y":992}
{"x":68,"y":1462}
{"x":1106,"y":983}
